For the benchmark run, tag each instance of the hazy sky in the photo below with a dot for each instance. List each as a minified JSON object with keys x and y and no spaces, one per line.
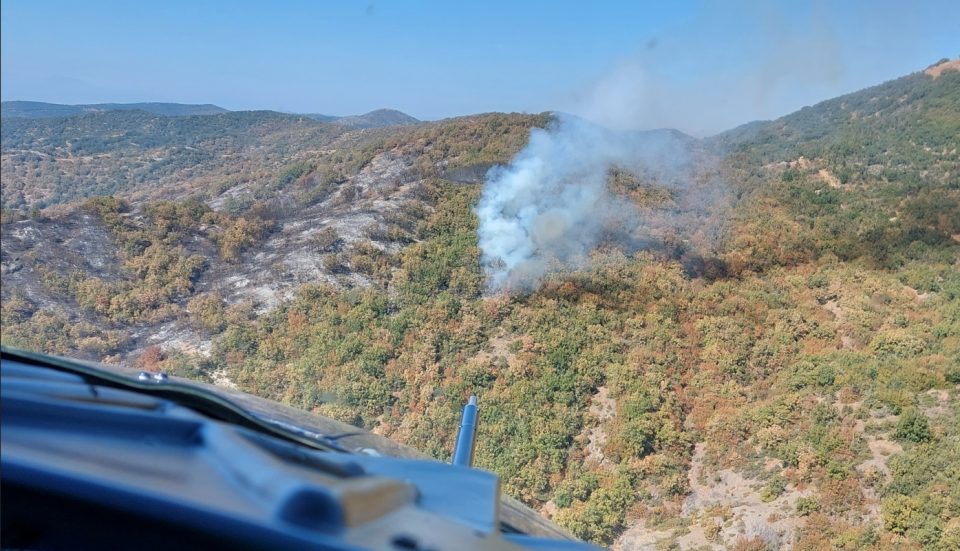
{"x":698,"y":66}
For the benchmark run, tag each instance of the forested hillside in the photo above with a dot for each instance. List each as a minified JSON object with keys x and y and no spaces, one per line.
{"x":792,"y":383}
{"x":56,"y":160}
{"x":156,"y":152}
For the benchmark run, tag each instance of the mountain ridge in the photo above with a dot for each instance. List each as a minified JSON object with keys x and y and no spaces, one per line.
{"x":23,"y":109}
{"x":862,"y":104}
{"x":40,"y":109}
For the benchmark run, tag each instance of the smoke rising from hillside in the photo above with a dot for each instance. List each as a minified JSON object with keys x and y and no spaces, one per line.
{"x":551,"y":206}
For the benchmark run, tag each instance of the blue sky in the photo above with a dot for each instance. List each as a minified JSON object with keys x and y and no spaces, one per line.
{"x":698,"y":66}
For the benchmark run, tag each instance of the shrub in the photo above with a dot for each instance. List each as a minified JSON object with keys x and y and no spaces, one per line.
{"x":333,"y":264}
{"x":676,"y":484}
{"x":208,"y":311}
{"x":953,"y":375}
{"x":773,"y":489}
{"x":327,"y":240}
{"x":807,"y":505}
{"x":150,"y":357}
{"x":755,"y":543}
{"x":826,"y":376}
{"x":838,"y":470}
{"x":293,"y":172}
{"x":711,"y":528}
{"x":897,"y":343}
{"x":913,"y":426}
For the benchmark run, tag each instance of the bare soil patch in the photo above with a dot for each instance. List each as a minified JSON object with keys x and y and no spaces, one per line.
{"x":937,"y":70}
{"x":829,"y":178}
{"x":602,"y":409}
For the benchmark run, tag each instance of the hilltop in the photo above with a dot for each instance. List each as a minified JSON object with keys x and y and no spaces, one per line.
{"x":378,"y":118}
{"x":778,"y":370}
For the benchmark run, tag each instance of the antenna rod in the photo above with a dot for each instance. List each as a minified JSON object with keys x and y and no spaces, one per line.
{"x":463,"y":450}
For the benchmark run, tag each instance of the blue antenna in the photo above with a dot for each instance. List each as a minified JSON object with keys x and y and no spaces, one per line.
{"x":463,"y":450}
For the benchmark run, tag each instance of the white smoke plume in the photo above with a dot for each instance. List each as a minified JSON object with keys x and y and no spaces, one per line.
{"x":550,"y":207}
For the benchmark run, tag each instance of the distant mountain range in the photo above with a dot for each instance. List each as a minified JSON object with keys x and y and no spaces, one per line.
{"x":41,"y":110}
